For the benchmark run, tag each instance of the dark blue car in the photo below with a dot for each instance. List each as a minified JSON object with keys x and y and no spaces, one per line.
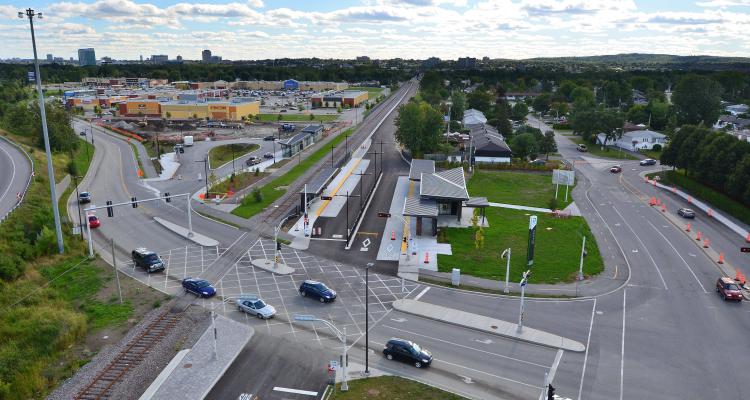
{"x":198,"y":287}
{"x":317,"y":290}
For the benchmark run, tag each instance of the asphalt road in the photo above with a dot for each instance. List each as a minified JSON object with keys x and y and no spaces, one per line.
{"x":15,"y":171}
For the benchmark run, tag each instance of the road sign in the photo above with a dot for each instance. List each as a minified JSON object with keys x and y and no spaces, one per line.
{"x":745,"y":249}
{"x":326,"y":197}
{"x":563,"y":177}
{"x":384,"y":215}
{"x":532,"y":241}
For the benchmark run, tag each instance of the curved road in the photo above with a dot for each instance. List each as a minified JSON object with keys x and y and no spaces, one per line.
{"x":15,"y":171}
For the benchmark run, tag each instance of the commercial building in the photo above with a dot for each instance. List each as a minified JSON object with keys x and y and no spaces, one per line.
{"x":289,"y":84}
{"x":86,"y":57}
{"x":466,"y":63}
{"x":140,"y":108}
{"x":233,"y":110}
{"x":159,"y":58}
{"x":334,"y":99}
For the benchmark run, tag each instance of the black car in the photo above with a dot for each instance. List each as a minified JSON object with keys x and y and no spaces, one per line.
{"x":269,"y":138}
{"x":686,"y":213}
{"x":82,"y":133}
{"x":253,"y":161}
{"x":84,"y":197}
{"x":268,"y":155}
{"x":147,"y":259}
{"x":406,"y":351}
{"x":198,"y":287}
{"x":648,"y":161}
{"x":317,"y":290}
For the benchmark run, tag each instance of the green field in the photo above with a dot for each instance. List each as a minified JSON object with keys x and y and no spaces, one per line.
{"x":297,"y":117}
{"x":240,"y":181}
{"x":700,"y":191}
{"x":391,"y":388}
{"x":519,"y":188}
{"x":596,"y":150}
{"x":277,"y":187}
{"x":373,"y":92}
{"x":556,"y":255}
{"x":220,"y":155}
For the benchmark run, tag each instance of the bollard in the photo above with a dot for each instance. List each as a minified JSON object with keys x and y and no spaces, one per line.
{"x":690,"y":199}
{"x":456,"y":277}
{"x":663,"y":207}
{"x":426,"y":257}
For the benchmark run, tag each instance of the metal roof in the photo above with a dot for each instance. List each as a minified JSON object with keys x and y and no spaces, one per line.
{"x":477,"y":202}
{"x":449,"y":184}
{"x":295,"y":139}
{"x":420,"y":207}
{"x":418,"y":167}
{"x":319,"y":181}
{"x":312,"y":128}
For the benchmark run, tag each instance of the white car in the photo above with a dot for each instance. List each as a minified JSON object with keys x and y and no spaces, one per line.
{"x":254,"y":305}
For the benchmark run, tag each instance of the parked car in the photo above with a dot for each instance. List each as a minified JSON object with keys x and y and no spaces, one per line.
{"x":179,"y":148}
{"x":648,"y":161}
{"x":686,"y":213}
{"x":615,"y":169}
{"x":538,"y":162}
{"x":268,"y":155}
{"x":147,"y":259}
{"x":82,"y":133}
{"x":94,"y":221}
{"x":198,"y":287}
{"x":317,"y":290}
{"x":269,"y":138}
{"x":254,"y":305}
{"x":84,"y":197}
{"x":406,"y":351}
{"x":728,"y":289}
{"x":582,"y":148}
{"x":253,"y":161}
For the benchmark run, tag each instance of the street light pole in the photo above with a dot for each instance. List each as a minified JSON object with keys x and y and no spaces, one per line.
{"x":78,"y":202}
{"x":367,"y":317}
{"x":332,"y":147}
{"x":524,"y":280}
{"x":506,"y":255}
{"x":580,"y":265}
{"x":50,"y":171}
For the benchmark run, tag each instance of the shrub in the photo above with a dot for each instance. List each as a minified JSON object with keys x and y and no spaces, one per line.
{"x":657,"y":147}
{"x":553,"y":204}
{"x":257,"y":195}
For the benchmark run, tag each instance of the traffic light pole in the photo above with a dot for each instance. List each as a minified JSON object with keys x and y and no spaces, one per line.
{"x":134,"y":204}
{"x":523,"y":292}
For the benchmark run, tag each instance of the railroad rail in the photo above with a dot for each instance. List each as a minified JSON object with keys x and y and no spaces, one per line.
{"x":131,"y":356}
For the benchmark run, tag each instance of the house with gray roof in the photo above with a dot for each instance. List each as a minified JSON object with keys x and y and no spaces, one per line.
{"x":637,"y":140}
{"x":488,"y":145}
{"x":474,"y":117}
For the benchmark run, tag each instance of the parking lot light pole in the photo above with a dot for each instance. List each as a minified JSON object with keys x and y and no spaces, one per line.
{"x":367,"y":317}
{"x":43,"y":114}
{"x":340,"y":335}
{"x":580,"y":265}
{"x":506,"y":255}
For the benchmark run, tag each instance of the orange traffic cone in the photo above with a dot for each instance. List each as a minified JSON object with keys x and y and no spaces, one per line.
{"x":653,"y":182}
{"x":721,"y":258}
{"x":674,"y":189}
{"x":710,"y":212}
{"x":747,"y":239}
{"x":740,"y":277}
{"x":393,"y":235}
{"x":663,"y":207}
{"x":687,"y":229}
{"x":705,"y":243}
{"x":426,"y":257}
{"x":690,"y":199}
{"x":652,"y":201}
{"x":698,"y":236}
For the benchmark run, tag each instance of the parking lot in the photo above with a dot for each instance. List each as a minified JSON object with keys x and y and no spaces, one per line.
{"x":347,"y":311}
{"x":180,"y":263}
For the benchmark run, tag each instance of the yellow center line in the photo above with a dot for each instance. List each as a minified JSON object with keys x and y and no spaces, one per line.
{"x":335,"y":191}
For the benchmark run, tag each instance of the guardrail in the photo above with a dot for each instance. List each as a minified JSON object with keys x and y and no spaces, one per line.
{"x":28,"y":182}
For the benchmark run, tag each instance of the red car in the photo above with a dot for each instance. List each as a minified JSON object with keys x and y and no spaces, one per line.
{"x":94,"y":221}
{"x":728,"y":289}
{"x":615,"y":169}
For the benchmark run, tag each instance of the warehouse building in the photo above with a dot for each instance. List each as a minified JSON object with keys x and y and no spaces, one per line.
{"x":333,"y":99}
{"x":233,"y":110}
{"x":140,"y":108}
{"x":289,"y":84}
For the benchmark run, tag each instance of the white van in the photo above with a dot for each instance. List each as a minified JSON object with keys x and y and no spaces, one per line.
{"x":188,"y":140}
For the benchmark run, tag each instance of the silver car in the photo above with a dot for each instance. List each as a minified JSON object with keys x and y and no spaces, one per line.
{"x":254,"y":305}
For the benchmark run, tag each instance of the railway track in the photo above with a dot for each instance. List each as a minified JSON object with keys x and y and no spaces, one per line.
{"x":131,"y":356}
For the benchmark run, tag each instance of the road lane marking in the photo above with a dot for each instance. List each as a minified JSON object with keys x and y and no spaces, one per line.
{"x":679,"y":255}
{"x":295,"y":391}
{"x":555,"y":364}
{"x":644,"y":247}
{"x":419,"y":296}
{"x":466,"y":347}
{"x":12,"y":176}
{"x":485,"y":341}
{"x":622,"y":346}
{"x":586,"y":354}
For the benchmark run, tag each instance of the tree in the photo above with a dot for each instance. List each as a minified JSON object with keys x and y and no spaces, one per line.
{"x":542,"y":103}
{"x":458,"y":98}
{"x":659,"y":112}
{"x":169,"y":115}
{"x":638,"y":114}
{"x":431,"y":88}
{"x":548,"y":144}
{"x":480,"y":99}
{"x":582,"y":98}
{"x":642,"y":83}
{"x":697,"y":99}
{"x":419,"y":127}
{"x":738,"y":182}
{"x":519,"y":111}
{"x":501,"y":119}
{"x":524,"y":146}
{"x":566,"y":89}
{"x":559,"y":108}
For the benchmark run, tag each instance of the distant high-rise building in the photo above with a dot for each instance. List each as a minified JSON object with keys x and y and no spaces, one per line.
{"x":206,"y":56}
{"x":215,"y":59}
{"x":49,"y":58}
{"x":363,"y":59}
{"x":179,"y":58}
{"x":431,"y":62}
{"x":467,"y":63}
{"x":159,"y":58}
{"x":86,"y":57}
{"x":141,"y":57}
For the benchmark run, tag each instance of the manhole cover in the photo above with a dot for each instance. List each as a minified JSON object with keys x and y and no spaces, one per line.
{"x":188,"y":365}
{"x":493,"y":326}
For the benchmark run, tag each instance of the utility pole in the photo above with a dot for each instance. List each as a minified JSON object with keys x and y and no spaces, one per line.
{"x":367,"y":317}
{"x":43,"y":113}
{"x":114,"y":265}
{"x":580,"y":265}
{"x":332,"y":147}
{"x":78,"y":203}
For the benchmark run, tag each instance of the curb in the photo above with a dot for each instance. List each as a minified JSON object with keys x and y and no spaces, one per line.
{"x":197,"y":238}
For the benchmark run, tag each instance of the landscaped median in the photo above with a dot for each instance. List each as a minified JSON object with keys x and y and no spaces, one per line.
{"x":271,"y":191}
{"x":558,"y":240}
{"x":224,"y":153}
{"x":391,"y":388}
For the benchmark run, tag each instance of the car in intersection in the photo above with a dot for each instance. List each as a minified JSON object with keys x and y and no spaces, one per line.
{"x":147,"y":259}
{"x":648,"y":161}
{"x":269,"y":138}
{"x":408,"y":352}
{"x":198,"y":287}
{"x":94,"y":221}
{"x":728,"y":289}
{"x":317,"y":290}
{"x":615,"y":169}
{"x":253,"y":161}
{"x":686,"y":213}
{"x":254,"y":305}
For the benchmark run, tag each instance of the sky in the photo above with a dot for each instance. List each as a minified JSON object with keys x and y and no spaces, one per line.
{"x":261,"y":29}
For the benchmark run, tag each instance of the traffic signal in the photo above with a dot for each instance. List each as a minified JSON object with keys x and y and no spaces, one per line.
{"x":745,"y":249}
{"x":326,"y":198}
{"x":278,"y":246}
{"x":167,"y":198}
{"x":550,"y":392}
{"x":384,"y":215}
{"x":110,"y":210}
{"x":133,"y":201}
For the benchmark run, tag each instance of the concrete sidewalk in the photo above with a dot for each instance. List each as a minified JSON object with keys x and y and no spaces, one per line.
{"x":199,"y":370}
{"x":486,"y":324}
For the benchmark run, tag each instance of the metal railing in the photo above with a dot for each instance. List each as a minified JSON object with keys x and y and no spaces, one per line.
{"x":22,"y":194}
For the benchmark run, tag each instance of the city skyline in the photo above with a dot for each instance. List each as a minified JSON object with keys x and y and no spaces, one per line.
{"x":448,"y":29}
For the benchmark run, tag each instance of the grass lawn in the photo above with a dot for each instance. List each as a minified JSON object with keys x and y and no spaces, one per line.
{"x":241,"y":181}
{"x":373,"y":92}
{"x":297,"y":117}
{"x":556,"y":255}
{"x":277,"y":187}
{"x":608,"y":152}
{"x":520,"y":188}
{"x":220,"y":155}
{"x":700,"y":191}
{"x":391,"y":388}
{"x":651,"y":154}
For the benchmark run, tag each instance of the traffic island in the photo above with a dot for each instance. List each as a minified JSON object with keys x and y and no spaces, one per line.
{"x":268,"y":265}
{"x":486,"y":324}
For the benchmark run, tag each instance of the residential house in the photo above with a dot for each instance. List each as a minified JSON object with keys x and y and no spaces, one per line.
{"x":636,"y":140}
{"x":474,"y":117}
{"x":488,"y":145}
